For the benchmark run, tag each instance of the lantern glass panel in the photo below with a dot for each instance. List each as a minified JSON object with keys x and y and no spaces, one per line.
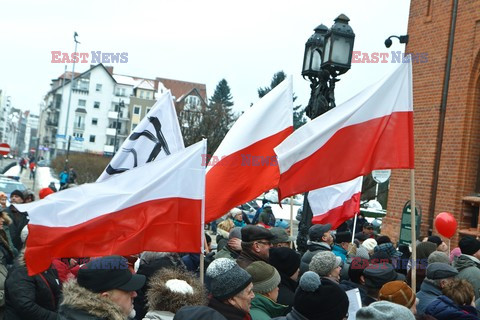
{"x":316,"y":60}
{"x":306,"y":63}
{"x":340,"y":50}
{"x":326,"y":58}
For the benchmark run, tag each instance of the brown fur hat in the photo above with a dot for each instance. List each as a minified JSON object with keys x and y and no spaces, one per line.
{"x":163,"y":296}
{"x":6,"y":218}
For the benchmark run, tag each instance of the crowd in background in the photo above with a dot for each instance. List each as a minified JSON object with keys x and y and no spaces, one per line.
{"x":254,"y":273}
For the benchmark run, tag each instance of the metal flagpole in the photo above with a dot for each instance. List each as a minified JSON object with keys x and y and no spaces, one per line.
{"x":291,"y":220}
{"x":354,"y":227}
{"x":202,"y":224}
{"x":414,"y":230}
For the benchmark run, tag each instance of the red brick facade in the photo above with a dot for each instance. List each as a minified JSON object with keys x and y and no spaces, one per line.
{"x":429,"y":30}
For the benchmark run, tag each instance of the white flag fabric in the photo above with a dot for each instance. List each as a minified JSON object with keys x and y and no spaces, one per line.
{"x":156,"y":136}
{"x":337,"y":203}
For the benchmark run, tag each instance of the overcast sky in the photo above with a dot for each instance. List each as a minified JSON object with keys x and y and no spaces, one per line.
{"x":245,"y":42}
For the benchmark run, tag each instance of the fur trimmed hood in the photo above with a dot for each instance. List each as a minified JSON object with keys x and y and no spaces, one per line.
{"x":162,"y":298}
{"x":77,"y":297}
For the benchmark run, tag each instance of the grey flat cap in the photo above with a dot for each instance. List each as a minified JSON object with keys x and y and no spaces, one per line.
{"x":439,"y":270}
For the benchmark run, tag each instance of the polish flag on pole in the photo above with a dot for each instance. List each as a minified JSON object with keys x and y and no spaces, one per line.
{"x":373,"y":130}
{"x":248,"y":164}
{"x":155,"y":137}
{"x":336,"y":204}
{"x":155,"y":207}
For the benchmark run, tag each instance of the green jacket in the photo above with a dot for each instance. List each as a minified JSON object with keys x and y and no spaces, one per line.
{"x":469,"y":269}
{"x":264,"y":308}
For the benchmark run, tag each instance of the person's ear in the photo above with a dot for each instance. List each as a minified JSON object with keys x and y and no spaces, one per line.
{"x":362,"y":279}
{"x":105,"y":294}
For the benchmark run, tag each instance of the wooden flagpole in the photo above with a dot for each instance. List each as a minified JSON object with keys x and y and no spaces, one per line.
{"x":414,"y":230}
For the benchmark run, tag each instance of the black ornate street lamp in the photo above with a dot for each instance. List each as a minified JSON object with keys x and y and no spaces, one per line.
{"x":328,"y":54}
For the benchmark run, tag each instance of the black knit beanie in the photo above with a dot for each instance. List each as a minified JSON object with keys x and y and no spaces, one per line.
{"x":285,"y":260}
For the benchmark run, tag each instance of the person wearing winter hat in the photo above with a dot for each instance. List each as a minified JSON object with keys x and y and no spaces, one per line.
{"x":231,"y":289}
{"x":287,"y":263}
{"x":438,"y":256}
{"x":198,"y":313}
{"x":104,"y":289}
{"x":19,"y":219}
{"x":326,"y":265}
{"x":376,"y":275}
{"x":468,"y":263}
{"x":398,"y":292}
{"x":438,"y":276}
{"x":150,"y":263}
{"x":44,"y":192}
{"x":340,"y":247}
{"x":233,"y":248}
{"x":367,"y":229}
{"x":265,"y":279}
{"x":384,"y":310}
{"x":441,"y":245}
{"x":318,"y":298}
{"x":370,"y":245}
{"x":389,"y":249}
{"x":424,"y":249}
{"x":457,"y":302}
{"x":171,"y":289}
{"x":383,"y":239}
{"x":256,"y":243}
{"x":237,"y":216}
{"x":282,"y":239}
{"x":319,"y":239}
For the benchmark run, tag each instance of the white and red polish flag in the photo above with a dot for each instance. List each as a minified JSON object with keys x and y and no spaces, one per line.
{"x":248,"y":165}
{"x":337,"y":203}
{"x":155,"y":207}
{"x":155,"y":137}
{"x":373,"y":130}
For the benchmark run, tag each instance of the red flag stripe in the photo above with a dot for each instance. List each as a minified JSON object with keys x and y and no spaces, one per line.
{"x":242,"y":176}
{"x":340,"y":214}
{"x":166,"y":225}
{"x":353,"y":151}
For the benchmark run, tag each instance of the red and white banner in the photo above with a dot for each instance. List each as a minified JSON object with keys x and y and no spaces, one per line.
{"x":155,"y":137}
{"x":247,"y":164}
{"x":336,"y":204}
{"x":155,"y":207}
{"x":373,"y":130}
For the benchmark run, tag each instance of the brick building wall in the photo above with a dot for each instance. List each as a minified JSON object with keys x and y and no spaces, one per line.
{"x":429,"y":30}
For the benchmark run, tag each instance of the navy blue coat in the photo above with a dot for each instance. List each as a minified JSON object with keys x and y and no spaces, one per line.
{"x":443,"y":308}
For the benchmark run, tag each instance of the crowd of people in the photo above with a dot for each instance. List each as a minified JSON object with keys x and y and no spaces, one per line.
{"x":255,"y":273}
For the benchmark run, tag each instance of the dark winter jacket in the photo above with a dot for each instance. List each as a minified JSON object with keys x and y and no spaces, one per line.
{"x":313,"y":248}
{"x":19,"y":221}
{"x":228,"y":253}
{"x":292,"y":315}
{"x":427,"y":294}
{"x":35,"y":297}
{"x":264,"y":308}
{"x":286,"y":291}
{"x":228,"y":311}
{"x":81,"y":304}
{"x":247,"y":257}
{"x":347,"y":285}
{"x":443,"y":308}
{"x":469,"y":269}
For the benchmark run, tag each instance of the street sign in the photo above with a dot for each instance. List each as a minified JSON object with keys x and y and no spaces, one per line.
{"x":406,"y":227}
{"x":381,"y":176}
{"x":4,"y":149}
{"x":60,"y":136}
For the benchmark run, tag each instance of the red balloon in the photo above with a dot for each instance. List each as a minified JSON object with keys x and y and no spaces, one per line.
{"x":446,"y":224}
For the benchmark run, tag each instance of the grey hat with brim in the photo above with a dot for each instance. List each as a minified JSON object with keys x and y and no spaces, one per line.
{"x":440,"y":270}
{"x":317,"y":231}
{"x":376,"y":275}
{"x":280,"y":235}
